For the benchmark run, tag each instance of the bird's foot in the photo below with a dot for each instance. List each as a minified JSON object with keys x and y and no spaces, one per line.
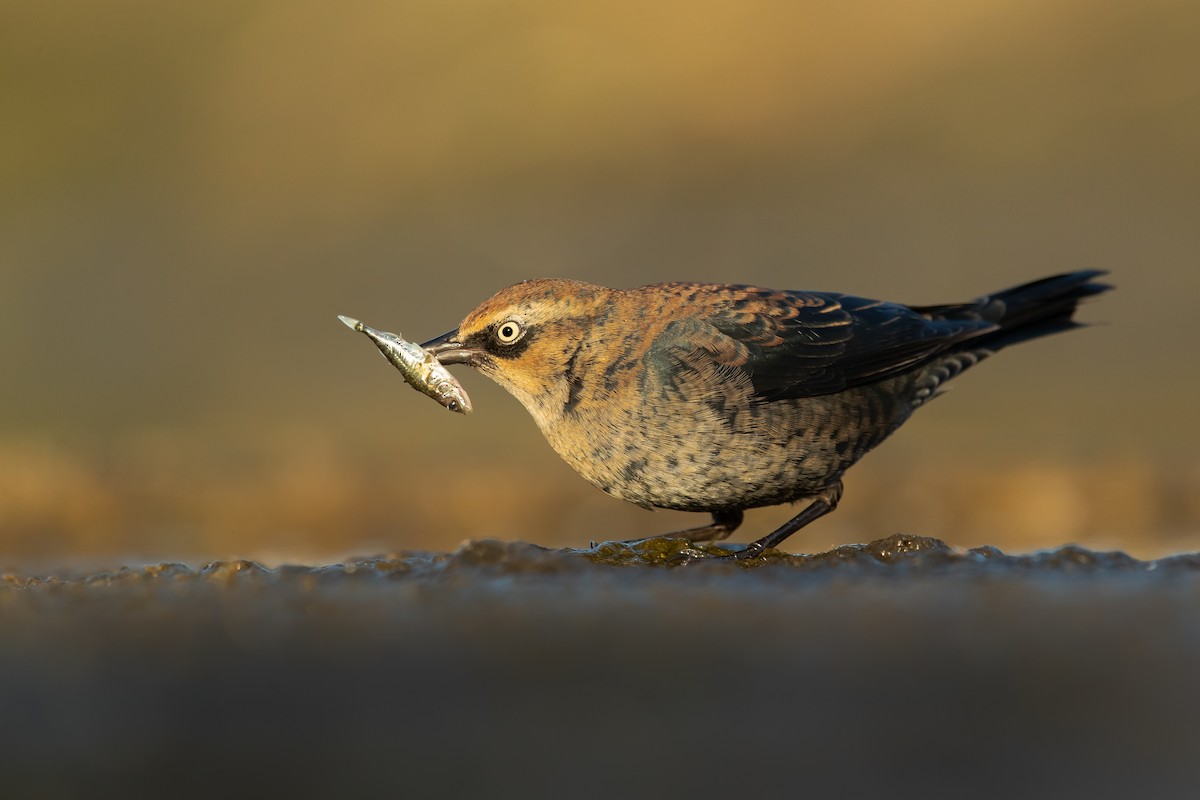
{"x":691,"y":555}
{"x":669,"y":551}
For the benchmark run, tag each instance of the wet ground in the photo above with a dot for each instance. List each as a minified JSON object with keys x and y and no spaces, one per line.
{"x":900,"y":668}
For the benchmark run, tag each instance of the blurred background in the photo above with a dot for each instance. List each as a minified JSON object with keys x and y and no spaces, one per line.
{"x":189,"y":194}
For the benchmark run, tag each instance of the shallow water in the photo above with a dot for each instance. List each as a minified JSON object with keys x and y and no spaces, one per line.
{"x":898,"y":668}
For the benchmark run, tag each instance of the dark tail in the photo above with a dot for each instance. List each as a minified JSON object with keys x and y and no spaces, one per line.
{"x":1028,"y":311}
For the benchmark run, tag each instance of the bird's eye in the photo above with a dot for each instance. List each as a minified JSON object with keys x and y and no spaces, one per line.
{"x":509,"y":331}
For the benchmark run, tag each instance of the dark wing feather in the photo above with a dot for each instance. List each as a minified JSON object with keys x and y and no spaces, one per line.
{"x":804,"y":344}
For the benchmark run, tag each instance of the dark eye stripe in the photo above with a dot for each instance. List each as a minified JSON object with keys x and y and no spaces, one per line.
{"x":486,"y":340}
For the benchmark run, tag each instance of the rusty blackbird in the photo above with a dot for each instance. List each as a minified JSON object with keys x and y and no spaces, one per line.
{"x":719,"y":397}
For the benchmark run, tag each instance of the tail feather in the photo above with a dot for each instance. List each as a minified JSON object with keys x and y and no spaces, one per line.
{"x":1028,"y":311}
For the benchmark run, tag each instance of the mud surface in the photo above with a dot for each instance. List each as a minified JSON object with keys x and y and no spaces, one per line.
{"x":900,"y":668}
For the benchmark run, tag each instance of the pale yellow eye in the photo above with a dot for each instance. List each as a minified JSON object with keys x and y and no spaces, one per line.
{"x":509,"y":331}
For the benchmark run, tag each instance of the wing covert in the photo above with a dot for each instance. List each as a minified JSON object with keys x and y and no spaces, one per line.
{"x":804,"y":344}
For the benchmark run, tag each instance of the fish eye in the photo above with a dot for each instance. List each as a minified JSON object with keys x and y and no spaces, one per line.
{"x":509,"y":331}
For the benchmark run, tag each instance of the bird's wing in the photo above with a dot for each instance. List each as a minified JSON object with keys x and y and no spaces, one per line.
{"x":803,"y":344}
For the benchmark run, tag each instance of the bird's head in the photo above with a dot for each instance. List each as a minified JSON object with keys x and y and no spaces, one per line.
{"x":525,"y":336}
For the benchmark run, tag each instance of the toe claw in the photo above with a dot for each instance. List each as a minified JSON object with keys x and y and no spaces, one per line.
{"x":689,"y":555}
{"x":748,"y":552}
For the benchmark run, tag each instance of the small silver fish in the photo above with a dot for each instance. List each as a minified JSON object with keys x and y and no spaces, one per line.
{"x":418,"y":366}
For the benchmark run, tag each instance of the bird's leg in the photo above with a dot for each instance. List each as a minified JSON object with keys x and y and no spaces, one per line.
{"x":825,"y":502}
{"x":723,"y":523}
